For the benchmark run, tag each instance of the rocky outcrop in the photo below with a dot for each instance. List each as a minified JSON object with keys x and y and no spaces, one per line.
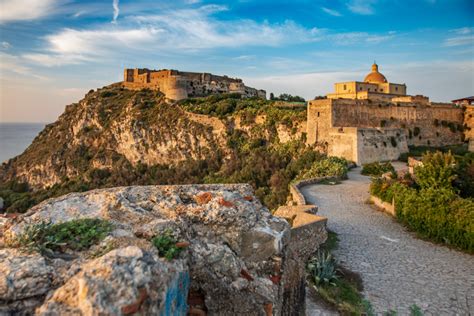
{"x":237,"y":260}
{"x":112,"y":128}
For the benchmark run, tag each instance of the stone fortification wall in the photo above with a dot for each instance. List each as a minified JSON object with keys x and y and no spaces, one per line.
{"x":177,"y":85}
{"x":380,"y":145}
{"x":424,"y":125}
{"x":469,"y":123}
{"x":365,"y":131}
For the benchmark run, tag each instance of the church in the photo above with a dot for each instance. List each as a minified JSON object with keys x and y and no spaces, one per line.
{"x":376,"y":120}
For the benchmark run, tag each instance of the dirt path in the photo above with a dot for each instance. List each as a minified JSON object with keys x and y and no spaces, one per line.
{"x":398,"y":270}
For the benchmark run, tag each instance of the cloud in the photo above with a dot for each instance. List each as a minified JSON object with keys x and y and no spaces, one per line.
{"x":14,"y":64}
{"x":331,"y":12}
{"x":115,"y":5}
{"x":358,"y":37}
{"x":364,"y":7}
{"x":72,"y":46}
{"x":185,"y":31}
{"x":178,"y":30}
{"x":22,"y":10}
{"x":5,"y":45}
{"x":464,"y":36}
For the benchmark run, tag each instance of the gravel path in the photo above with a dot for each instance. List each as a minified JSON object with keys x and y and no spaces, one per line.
{"x":398,"y":270}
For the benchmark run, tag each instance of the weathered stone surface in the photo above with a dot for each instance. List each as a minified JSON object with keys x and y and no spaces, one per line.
{"x":124,"y":281}
{"x":23,"y":275}
{"x":234,"y":252}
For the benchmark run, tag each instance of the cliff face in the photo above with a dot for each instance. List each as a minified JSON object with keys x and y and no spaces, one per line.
{"x":109,"y":127}
{"x":120,"y":137}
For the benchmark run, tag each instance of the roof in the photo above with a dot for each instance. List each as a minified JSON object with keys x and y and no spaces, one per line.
{"x":464,"y":99}
{"x":375,"y":76}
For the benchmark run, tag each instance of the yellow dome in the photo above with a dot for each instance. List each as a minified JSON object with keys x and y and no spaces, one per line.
{"x":375,"y":76}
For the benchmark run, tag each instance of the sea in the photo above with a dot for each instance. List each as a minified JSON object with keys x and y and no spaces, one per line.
{"x":16,"y":137}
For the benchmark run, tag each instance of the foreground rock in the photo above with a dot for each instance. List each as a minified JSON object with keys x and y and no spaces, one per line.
{"x":237,"y":258}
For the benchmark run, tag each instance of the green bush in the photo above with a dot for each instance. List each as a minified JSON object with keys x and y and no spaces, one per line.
{"x":377,"y":168}
{"x":328,"y":167}
{"x":416,"y":131}
{"x":432,"y":207}
{"x":437,"y":170}
{"x":166,"y":245}
{"x":77,"y":234}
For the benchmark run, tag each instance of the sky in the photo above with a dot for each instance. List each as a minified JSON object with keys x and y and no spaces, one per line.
{"x":53,"y":51}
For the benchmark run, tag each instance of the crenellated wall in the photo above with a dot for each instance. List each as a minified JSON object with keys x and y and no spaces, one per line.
{"x":178,"y":85}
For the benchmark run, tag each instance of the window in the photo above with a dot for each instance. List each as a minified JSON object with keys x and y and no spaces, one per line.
{"x":345,"y":87}
{"x":360,"y":88}
{"x":396,"y":88}
{"x":368,"y":89}
{"x":318,"y":114}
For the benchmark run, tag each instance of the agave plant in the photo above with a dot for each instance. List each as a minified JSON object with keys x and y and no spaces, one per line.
{"x":322,"y":269}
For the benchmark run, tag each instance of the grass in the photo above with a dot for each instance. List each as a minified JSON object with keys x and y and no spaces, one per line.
{"x":48,"y":238}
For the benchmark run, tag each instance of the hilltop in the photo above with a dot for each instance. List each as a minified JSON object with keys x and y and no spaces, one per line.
{"x":117,"y":137}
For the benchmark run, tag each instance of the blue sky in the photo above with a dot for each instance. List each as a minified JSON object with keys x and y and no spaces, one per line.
{"x":53,"y":51}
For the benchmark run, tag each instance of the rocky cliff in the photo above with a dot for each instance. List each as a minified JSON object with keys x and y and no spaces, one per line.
{"x":109,"y":127}
{"x":118,"y":137}
{"x":235,"y":257}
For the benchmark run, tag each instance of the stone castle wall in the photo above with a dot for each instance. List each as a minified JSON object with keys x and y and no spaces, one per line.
{"x":366,"y":130}
{"x":469,"y":122}
{"x":178,"y":85}
{"x":424,"y":125}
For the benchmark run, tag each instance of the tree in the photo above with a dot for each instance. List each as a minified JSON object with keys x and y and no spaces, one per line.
{"x":272,"y":96}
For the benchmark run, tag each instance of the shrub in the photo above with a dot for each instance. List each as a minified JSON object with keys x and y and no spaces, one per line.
{"x":438,"y":214}
{"x":328,"y":167}
{"x":452,"y":127}
{"x":437,"y":170}
{"x":78,"y":234}
{"x":166,"y":245}
{"x":377,"y":168}
{"x":416,"y":131}
{"x":393,"y":141}
{"x":431,"y":207}
{"x":383,"y":123}
{"x":107,"y":94}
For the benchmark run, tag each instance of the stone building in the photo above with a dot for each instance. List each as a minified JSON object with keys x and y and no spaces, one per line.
{"x":178,"y":85}
{"x":375,"y":120}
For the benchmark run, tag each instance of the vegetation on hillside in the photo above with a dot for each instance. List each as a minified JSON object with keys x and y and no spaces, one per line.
{"x":376,"y":169}
{"x":254,"y":155}
{"x":438,"y":203}
{"x":286,"y":97}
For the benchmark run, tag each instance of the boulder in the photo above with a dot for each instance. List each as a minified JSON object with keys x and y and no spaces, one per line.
{"x":234,"y":251}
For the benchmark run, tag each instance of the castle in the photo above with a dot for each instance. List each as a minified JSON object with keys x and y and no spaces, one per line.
{"x":177,"y":85}
{"x":375,"y":120}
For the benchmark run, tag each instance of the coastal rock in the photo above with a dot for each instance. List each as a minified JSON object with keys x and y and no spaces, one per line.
{"x":231,"y":247}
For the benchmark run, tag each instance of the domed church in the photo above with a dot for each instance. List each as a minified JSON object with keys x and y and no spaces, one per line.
{"x":375,"y":86}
